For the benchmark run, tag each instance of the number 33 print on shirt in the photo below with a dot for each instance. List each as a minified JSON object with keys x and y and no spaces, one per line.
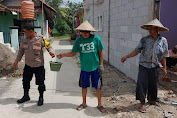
{"x":87,"y":47}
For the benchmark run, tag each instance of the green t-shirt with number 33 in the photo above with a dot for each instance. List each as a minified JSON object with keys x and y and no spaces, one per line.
{"x":88,"y":49}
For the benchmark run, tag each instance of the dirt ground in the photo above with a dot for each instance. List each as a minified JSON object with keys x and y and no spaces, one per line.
{"x":7,"y":58}
{"x":119,"y":91}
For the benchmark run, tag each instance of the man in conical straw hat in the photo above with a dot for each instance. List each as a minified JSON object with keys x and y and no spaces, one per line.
{"x":153,"y":51}
{"x":90,"y":48}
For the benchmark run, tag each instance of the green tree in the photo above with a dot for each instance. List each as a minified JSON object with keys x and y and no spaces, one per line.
{"x":64,"y":20}
{"x":62,"y":27}
{"x":72,"y":9}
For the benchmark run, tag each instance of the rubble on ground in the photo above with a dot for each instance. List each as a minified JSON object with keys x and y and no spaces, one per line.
{"x":7,"y":58}
{"x":119,"y":92}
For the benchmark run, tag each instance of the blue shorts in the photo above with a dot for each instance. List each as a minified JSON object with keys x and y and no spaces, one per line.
{"x":96,"y":79}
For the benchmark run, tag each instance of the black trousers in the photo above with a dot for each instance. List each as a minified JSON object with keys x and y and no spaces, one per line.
{"x":147,"y":84}
{"x":39,"y":74}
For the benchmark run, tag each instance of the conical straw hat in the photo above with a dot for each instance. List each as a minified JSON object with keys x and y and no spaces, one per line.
{"x":86,"y":26}
{"x":155,"y":23}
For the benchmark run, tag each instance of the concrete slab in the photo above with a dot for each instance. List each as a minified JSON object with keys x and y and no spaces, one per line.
{"x":61,"y":97}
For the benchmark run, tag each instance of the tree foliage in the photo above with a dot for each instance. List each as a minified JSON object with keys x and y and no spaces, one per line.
{"x":72,"y":9}
{"x":62,"y":27}
{"x":64,"y":20}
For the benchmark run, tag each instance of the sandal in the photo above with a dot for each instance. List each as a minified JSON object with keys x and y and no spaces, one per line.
{"x":142,"y":109}
{"x":156,"y":104}
{"x":101,"y":109}
{"x":81,"y":107}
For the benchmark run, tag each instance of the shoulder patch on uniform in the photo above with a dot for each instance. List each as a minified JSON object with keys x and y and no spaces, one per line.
{"x":47,"y":44}
{"x":45,"y":39}
{"x":38,"y":42}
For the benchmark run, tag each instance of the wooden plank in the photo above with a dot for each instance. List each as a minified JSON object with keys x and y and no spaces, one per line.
{"x":156,"y":9}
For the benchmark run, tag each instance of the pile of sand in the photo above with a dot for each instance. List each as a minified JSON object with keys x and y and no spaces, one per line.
{"x":7,"y":58}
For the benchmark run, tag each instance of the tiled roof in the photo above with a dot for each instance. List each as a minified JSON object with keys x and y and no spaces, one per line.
{"x":19,"y":9}
{"x":48,"y":6}
{"x":4,"y":8}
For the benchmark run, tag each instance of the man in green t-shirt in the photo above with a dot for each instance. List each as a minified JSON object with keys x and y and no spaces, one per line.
{"x":90,"y":48}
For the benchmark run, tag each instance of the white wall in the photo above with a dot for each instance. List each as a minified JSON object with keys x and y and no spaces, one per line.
{"x":1,"y":37}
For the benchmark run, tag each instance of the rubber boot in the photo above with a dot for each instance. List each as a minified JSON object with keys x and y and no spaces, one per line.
{"x":25,"y":97}
{"x":41,"y":100}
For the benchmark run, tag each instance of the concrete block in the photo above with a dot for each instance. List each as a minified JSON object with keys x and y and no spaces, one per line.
{"x":131,"y":0}
{"x":127,"y":66}
{"x":105,"y":33}
{"x":113,"y":4}
{"x":133,"y":13}
{"x":123,"y":43}
{"x":114,"y":22}
{"x":121,"y":35}
{"x":114,"y":35}
{"x":132,"y":29}
{"x":146,"y":2}
{"x":136,"y":37}
{"x":118,"y":54}
{"x":122,"y":68}
{"x":129,"y":6}
{"x":143,"y":11}
{"x":138,"y":3}
{"x":138,"y":21}
{"x":121,"y":8}
{"x":122,"y":21}
{"x":124,"y":2}
{"x":114,"y":11}
{"x":117,"y":63}
{"x":134,"y":68}
{"x":128,"y":21}
{"x":131,"y":44}
{"x":124,"y":29}
{"x":127,"y":36}
{"x":105,"y":56}
{"x":118,"y":3}
{"x":124,"y":15}
{"x":111,"y":57}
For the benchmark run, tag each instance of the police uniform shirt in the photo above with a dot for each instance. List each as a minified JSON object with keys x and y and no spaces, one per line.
{"x":33,"y":50}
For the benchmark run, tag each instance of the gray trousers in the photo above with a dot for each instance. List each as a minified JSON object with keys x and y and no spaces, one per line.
{"x":147,"y":84}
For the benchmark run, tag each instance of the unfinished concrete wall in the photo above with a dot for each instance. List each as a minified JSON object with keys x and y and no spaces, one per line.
{"x":120,"y":32}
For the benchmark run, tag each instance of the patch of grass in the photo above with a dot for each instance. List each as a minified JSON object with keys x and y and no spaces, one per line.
{"x":50,"y":39}
{"x":62,"y":37}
